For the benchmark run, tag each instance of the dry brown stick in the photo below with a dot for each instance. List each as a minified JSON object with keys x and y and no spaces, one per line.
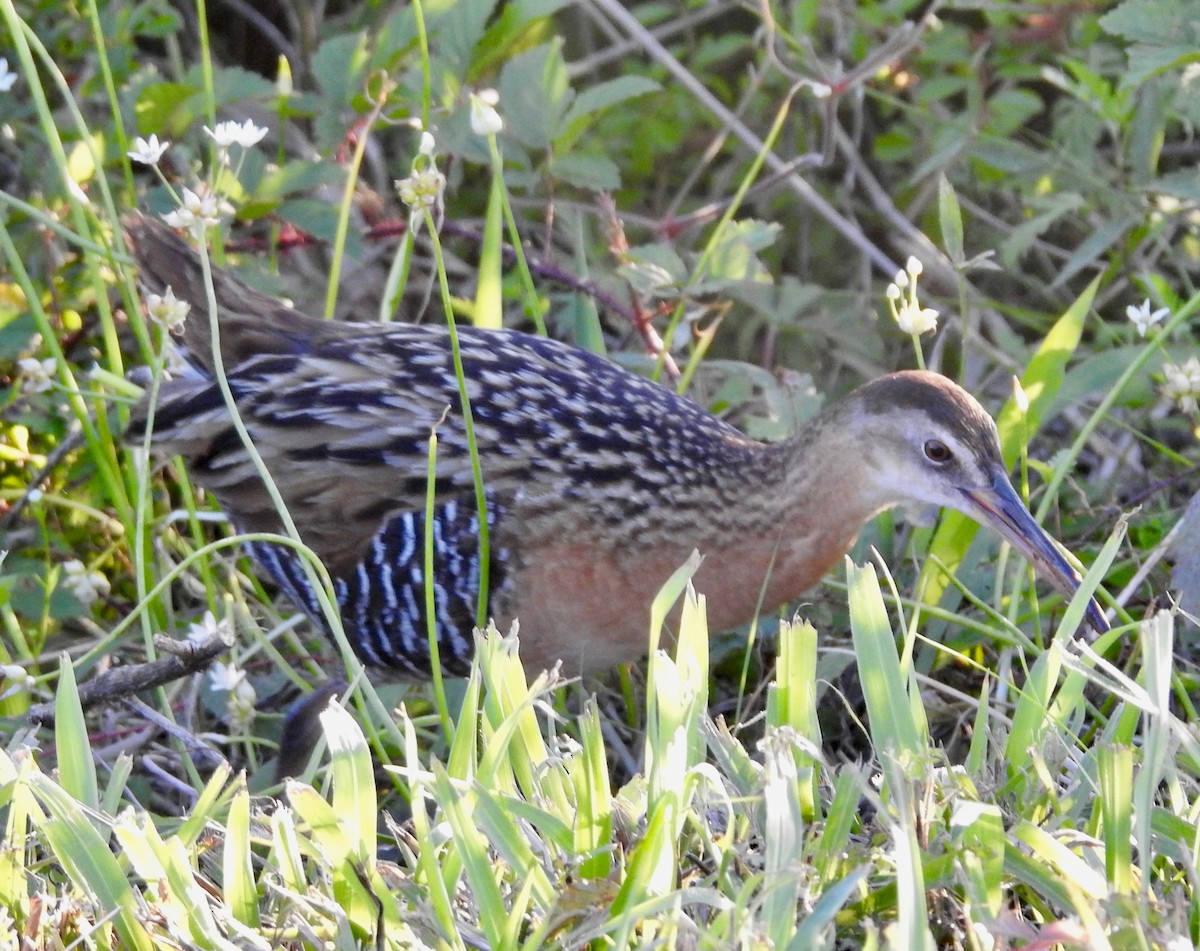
{"x":183,"y":658}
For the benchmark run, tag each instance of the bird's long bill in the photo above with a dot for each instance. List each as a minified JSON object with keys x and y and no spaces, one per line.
{"x":1000,"y":507}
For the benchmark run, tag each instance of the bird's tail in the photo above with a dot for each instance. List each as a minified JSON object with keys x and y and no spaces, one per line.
{"x":250,"y":322}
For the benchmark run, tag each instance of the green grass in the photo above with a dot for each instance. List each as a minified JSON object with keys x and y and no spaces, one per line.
{"x":940,"y":764}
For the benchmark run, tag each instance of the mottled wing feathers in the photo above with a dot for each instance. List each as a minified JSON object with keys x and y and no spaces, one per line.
{"x":341,"y":414}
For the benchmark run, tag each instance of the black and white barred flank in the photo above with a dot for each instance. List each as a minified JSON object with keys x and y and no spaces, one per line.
{"x":382,"y":601}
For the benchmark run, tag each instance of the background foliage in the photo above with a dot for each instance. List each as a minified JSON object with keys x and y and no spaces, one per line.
{"x":740,"y":181}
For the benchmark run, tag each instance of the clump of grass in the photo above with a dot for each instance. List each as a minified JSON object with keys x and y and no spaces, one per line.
{"x":504,"y":814}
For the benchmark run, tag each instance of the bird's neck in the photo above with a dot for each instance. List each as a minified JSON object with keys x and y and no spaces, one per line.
{"x":800,"y":506}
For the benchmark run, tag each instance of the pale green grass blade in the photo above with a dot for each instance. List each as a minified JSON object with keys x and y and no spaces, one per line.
{"x":457,"y":805}
{"x":354,"y":798}
{"x":792,"y":702}
{"x":894,"y":730}
{"x":515,"y":740}
{"x":783,"y":836}
{"x":912,"y":926}
{"x":977,"y":752}
{"x":76,"y":769}
{"x":817,"y":929}
{"x":320,"y":822}
{"x":1036,"y":713}
{"x":1158,"y":645}
{"x":462,"y":762}
{"x":1062,"y":862}
{"x":666,"y":598}
{"x":208,"y":804}
{"x":593,"y":827}
{"x":1116,"y":806}
{"x":21,"y":814}
{"x":488,"y":310}
{"x":831,"y":848}
{"x":241,"y":894}
{"x":87,"y":860}
{"x":286,"y":856}
{"x":980,"y":840}
{"x":497,"y":820}
{"x":438,"y":872}
{"x":649,"y":864}
{"x":166,"y":865}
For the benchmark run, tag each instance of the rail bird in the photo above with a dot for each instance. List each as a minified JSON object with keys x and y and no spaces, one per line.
{"x":598,"y":484}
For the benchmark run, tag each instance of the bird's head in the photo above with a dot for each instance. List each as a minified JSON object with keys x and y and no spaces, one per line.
{"x":925,"y":440}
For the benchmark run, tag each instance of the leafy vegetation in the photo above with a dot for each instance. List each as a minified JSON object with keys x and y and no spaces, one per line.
{"x":714,"y":194}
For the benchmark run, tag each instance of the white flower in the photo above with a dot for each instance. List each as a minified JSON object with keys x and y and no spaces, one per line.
{"x":147,"y":151}
{"x":906,"y":310}
{"x":241,"y":702}
{"x":37,"y":374}
{"x":1182,"y":384}
{"x":224,"y":676}
{"x":243,"y":707}
{"x":485,"y":120}
{"x":915,"y":319}
{"x":245,"y":134}
{"x":167,"y":310}
{"x":1019,"y":396}
{"x":207,"y":628}
{"x":7,"y":76}
{"x":421,"y":189}
{"x":197,"y":212}
{"x":87,"y":586}
{"x":427,"y":145}
{"x":1142,"y":318}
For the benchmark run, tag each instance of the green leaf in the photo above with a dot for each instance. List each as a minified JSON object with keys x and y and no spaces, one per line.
{"x":950,"y":218}
{"x":602,"y":96}
{"x":894,"y":730}
{"x":76,"y":767}
{"x":488,"y":309}
{"x":535,"y":95}
{"x":596,"y":173}
{"x":1092,"y":247}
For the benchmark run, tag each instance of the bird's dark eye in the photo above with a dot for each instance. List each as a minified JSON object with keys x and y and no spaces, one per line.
{"x":937,"y":451}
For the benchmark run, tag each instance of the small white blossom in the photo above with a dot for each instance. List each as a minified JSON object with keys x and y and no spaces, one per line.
{"x":1182,"y":384}
{"x":421,"y":189}
{"x":242,"y":699}
{"x":147,"y":151}
{"x":167,"y":310}
{"x":485,"y":120}
{"x":37,"y":374}
{"x":224,"y":676}
{"x":915,"y":319}
{"x":1142,"y":318}
{"x":207,"y":628}
{"x":87,"y":586}
{"x":1019,"y":396}
{"x":245,"y":134}
{"x":7,"y":76}
{"x":16,"y":674}
{"x":427,"y":145}
{"x":914,"y":267}
{"x":243,"y":707}
{"x":197,"y":212}
{"x":906,"y":310}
